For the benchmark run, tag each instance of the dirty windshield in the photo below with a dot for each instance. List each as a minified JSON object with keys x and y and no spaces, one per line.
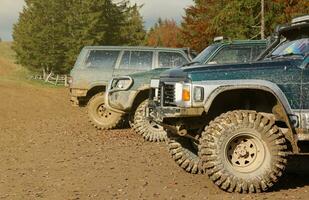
{"x":204,"y":55}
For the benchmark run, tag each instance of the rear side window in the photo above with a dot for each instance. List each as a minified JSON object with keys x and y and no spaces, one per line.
{"x":257,"y":51}
{"x":102,"y":58}
{"x":232,"y":55}
{"x":171,"y":59}
{"x":136,"y":60}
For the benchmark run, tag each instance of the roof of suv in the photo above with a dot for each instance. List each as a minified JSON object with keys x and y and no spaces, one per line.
{"x":134,"y":47}
{"x":242,"y":42}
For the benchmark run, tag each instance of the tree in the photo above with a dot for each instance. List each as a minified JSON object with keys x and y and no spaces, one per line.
{"x":133,"y":31}
{"x":51,"y":33}
{"x":235,"y":19}
{"x":164,"y":33}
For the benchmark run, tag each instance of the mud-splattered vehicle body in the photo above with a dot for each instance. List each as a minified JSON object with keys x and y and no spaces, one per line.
{"x":96,"y":65}
{"x":129,"y":95}
{"x":238,"y":122}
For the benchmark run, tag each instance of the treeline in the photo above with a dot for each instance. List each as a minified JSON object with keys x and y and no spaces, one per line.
{"x":50,"y":33}
{"x":234,"y":19}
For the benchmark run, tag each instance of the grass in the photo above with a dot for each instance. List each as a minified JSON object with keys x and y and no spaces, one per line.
{"x":12,"y":72}
{"x":6,"y":50}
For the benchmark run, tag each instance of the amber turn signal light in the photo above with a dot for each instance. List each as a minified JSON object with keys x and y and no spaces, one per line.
{"x":186,"y":94}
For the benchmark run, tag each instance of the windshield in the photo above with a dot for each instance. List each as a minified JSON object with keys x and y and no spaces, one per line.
{"x":294,"y":47}
{"x":205,"y":54}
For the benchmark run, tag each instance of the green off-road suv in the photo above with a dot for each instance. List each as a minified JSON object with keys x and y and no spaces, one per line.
{"x":128,"y":95}
{"x":96,"y":65}
{"x":238,"y":122}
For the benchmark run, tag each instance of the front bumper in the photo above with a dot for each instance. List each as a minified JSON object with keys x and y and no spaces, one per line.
{"x":158,"y":113}
{"x":75,"y":95}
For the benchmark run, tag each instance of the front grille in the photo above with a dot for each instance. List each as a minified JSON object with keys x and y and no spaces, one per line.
{"x":168,"y":95}
{"x":164,"y":95}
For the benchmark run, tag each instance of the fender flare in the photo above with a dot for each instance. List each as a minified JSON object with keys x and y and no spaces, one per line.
{"x":214,"y":88}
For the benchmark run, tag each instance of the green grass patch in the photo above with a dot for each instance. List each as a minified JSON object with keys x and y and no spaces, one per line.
{"x":12,"y":72}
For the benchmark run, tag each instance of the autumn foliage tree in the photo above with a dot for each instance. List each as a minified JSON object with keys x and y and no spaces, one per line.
{"x":164,"y":33}
{"x":235,"y":19}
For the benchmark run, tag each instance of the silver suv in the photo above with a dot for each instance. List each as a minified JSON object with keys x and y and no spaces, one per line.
{"x":96,"y":65}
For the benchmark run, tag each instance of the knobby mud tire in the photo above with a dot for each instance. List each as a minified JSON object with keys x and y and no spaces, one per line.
{"x":185,"y":154}
{"x":150,"y":131}
{"x":100,"y":117}
{"x":236,"y":130}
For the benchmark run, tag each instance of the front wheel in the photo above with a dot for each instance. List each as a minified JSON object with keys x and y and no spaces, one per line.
{"x":184,"y":151}
{"x":150,"y":130}
{"x":243,"y":151}
{"x":101,"y":117}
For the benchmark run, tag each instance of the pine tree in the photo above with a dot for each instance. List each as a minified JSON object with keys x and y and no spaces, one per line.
{"x":51,"y":33}
{"x":133,"y":31}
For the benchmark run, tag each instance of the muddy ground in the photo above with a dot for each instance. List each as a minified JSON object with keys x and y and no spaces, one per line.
{"x":48,"y":150}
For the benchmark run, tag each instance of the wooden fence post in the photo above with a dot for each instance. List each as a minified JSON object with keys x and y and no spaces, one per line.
{"x":49,"y":75}
{"x":65,"y":80}
{"x":57,"y":78}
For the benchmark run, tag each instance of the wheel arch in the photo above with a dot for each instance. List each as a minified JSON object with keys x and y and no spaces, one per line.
{"x":93,"y":91}
{"x":274,"y":90}
{"x":269,"y":94}
{"x":140,"y":96}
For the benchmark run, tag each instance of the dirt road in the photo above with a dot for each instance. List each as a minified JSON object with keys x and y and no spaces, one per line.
{"x":49,"y":151}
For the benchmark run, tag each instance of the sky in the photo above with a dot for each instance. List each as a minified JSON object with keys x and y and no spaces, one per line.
{"x":151,"y":11}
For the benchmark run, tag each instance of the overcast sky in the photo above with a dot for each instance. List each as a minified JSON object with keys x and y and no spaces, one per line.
{"x":152,"y":10}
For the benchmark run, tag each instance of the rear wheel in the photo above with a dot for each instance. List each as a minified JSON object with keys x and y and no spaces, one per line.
{"x":101,"y":117}
{"x":243,"y":151}
{"x":150,"y":130}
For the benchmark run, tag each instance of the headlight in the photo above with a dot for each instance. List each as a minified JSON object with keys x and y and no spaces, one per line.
{"x":121,"y":83}
{"x":198,"y":94}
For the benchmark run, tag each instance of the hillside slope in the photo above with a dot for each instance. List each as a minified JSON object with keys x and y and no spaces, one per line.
{"x":9,"y":70}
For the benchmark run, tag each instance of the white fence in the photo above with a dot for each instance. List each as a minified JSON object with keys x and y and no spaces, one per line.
{"x":52,"y":78}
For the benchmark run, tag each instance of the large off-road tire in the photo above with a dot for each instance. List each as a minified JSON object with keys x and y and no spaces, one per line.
{"x":150,"y":130}
{"x":185,"y":153}
{"x":99,"y":116}
{"x":243,"y":151}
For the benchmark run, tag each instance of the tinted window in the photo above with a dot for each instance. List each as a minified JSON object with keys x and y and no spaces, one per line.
{"x":171,"y":59}
{"x":232,"y":55}
{"x":205,"y":54}
{"x":102,"y":58}
{"x":136,"y":60}
{"x":257,"y":51}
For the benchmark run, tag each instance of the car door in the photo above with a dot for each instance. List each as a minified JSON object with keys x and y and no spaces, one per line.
{"x":98,"y":65}
{"x":134,"y":61}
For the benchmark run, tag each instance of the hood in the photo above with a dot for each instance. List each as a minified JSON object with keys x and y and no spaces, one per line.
{"x":155,"y":73}
{"x":218,"y":72}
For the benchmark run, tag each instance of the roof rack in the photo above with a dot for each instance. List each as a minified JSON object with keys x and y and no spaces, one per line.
{"x":218,"y":39}
{"x":300,"y":19}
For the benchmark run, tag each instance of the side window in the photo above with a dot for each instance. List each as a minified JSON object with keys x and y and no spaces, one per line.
{"x":171,"y":59}
{"x":256,"y":51}
{"x":136,"y":60}
{"x":102,"y":58}
{"x":232,"y":55}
